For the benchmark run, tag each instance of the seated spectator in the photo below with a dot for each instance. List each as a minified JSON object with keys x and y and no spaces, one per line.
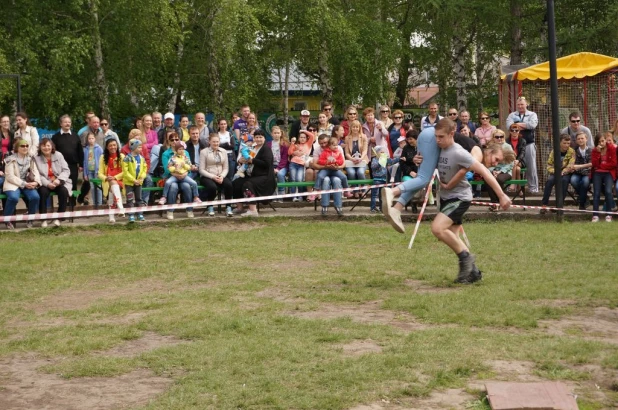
{"x":518,"y":145}
{"x":92,"y":158}
{"x":299,"y":159}
{"x":21,"y":178}
{"x":406,"y":161}
{"x":279,"y":146}
{"x":580,"y":178}
{"x":179,"y":184}
{"x":604,"y":164}
{"x":567,"y":156}
{"x":110,"y":174}
{"x":214,"y":173}
{"x":356,"y":153}
{"x":394,"y":170}
{"x":179,"y":165}
{"x":260,"y":180}
{"x":323,"y":126}
{"x":331,"y":155}
{"x":485,"y":130}
{"x":328,"y":182}
{"x":465,"y":132}
{"x":55,"y":177}
{"x":502,"y":171}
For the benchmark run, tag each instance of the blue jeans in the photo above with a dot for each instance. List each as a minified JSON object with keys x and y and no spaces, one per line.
{"x":330,"y":173}
{"x":97,"y":194}
{"x":146,"y":184}
{"x":281,"y":178}
{"x":297,"y":174}
{"x":186,"y":193}
{"x":31,"y":198}
{"x":601,"y":180}
{"x":375,"y":194}
{"x":581,"y":184}
{"x":428,"y":148}
{"x":1,"y":183}
{"x":186,"y":180}
{"x":549,"y":185}
{"x":337,"y":196}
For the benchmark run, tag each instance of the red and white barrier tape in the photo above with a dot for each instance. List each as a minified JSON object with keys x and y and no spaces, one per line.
{"x":548,"y":208}
{"x":172,"y":207}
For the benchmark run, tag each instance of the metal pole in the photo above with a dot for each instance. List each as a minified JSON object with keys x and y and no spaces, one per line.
{"x":554,"y":105}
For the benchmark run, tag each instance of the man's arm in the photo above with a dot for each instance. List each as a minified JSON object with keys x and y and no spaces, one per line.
{"x":459,"y":176}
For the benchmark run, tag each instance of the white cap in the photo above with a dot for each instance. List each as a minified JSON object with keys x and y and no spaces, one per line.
{"x":400,"y":139}
{"x":305,"y":112}
{"x":168,"y":115}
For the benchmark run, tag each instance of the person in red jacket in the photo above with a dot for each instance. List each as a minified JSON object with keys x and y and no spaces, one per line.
{"x":603,"y":173}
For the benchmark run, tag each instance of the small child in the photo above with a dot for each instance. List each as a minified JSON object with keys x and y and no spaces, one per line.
{"x":92,"y":157}
{"x":247,"y":152}
{"x":329,"y":156}
{"x":378,"y":167}
{"x":179,"y":166}
{"x":401,"y":141}
{"x":134,"y":171}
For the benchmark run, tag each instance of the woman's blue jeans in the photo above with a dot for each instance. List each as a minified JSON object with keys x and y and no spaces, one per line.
{"x":31,"y":198}
{"x":428,"y":148}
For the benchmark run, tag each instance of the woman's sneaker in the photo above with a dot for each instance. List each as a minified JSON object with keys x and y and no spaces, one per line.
{"x":296,"y":199}
{"x":44,"y":224}
{"x":339,"y":211}
{"x":131,"y":218}
{"x":170,"y":215}
{"x":595,"y":219}
{"x":608,"y":218}
{"x":228,"y":212}
{"x":9,"y":226}
{"x":163,"y":200}
{"x":141,"y":218}
{"x":324,"y":210}
{"x":211,"y":211}
{"x":197,"y":200}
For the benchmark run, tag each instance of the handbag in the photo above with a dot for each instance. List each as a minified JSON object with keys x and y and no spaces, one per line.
{"x":30,"y":174}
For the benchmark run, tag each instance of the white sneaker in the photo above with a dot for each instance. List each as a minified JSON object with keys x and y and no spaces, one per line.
{"x":387,"y":198}
{"x":595,"y":219}
{"x":211,"y":211}
{"x":251,"y":213}
{"x":608,"y":218}
{"x":170,"y":215}
{"x":190,"y":214}
{"x":394,"y":218}
{"x":57,"y":222}
{"x":44,"y":224}
{"x":112,"y":219}
{"x":296,"y":199}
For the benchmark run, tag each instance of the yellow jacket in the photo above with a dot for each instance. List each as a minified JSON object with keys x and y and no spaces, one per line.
{"x":129,"y":167}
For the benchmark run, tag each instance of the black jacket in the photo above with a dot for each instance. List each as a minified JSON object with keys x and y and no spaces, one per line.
{"x":521,"y":150}
{"x":163,"y":131}
{"x":408,"y":165}
{"x":191,"y":151}
{"x":70,"y":146}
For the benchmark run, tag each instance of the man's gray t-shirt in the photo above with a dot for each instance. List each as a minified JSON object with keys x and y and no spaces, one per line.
{"x":451,"y":160}
{"x":573,"y":135}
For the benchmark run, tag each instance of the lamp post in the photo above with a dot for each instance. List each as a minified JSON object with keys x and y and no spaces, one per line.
{"x":18,"y":78}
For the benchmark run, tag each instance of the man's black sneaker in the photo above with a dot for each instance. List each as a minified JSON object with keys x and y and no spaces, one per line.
{"x":466,"y":266}
{"x":475,"y":276}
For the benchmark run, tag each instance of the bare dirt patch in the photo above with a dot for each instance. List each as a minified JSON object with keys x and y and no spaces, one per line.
{"x":423,"y":287}
{"x":149,"y":341}
{"x":514,"y":370}
{"x":23,"y":387}
{"x":601,"y":326}
{"x":360,"y":347}
{"x":445,"y":399}
{"x":364,"y":313}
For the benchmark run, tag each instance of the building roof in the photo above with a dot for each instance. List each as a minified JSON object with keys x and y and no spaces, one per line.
{"x":421,"y":95}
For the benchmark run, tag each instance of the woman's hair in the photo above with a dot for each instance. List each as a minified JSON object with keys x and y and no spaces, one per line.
{"x":351,"y":107}
{"x":106,"y":153}
{"x":140,"y":119}
{"x":464,"y":126}
{"x":136,"y":133}
{"x":368,"y":110}
{"x":398,"y":112}
{"x":412,"y":133}
{"x":494,"y":148}
{"x":597,"y":138}
{"x":483,"y":114}
{"x":496,"y":132}
{"x":335,"y":129}
{"x":166,"y":140}
{"x":609,"y":136}
{"x":284,"y":141}
{"x":23,"y":115}
{"x":183,"y":116}
{"x":356,"y":123}
{"x":17,"y":143}
{"x":219,"y":123}
{"x":47,"y":141}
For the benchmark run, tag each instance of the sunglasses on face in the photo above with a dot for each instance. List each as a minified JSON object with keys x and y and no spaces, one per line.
{"x":104,"y":124}
{"x":385,"y":111}
{"x":499,"y":137}
{"x":515,"y":131}
{"x":351,"y":113}
{"x":24,"y":146}
{"x":484,"y":118}
{"x":327,"y":109}
{"x":452,"y":113}
{"x":575,"y":121}
{"x":311,"y":129}
{"x":398,"y":118}
{"x":174,"y":139}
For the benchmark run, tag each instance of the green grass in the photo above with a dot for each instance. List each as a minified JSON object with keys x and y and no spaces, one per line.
{"x":246,"y":298}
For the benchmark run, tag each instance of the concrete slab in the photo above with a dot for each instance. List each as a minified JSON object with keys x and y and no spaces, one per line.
{"x":530,"y":396}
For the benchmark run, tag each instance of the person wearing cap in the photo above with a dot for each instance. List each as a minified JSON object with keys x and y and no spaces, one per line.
{"x":379,"y":168}
{"x":301,"y":124}
{"x":134,"y":172}
{"x":22,"y":178}
{"x":55,"y":177}
{"x":168,"y":125}
{"x":394,"y":171}
{"x":177,"y":174}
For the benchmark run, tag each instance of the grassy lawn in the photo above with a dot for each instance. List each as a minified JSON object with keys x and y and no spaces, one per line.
{"x":284,"y":314}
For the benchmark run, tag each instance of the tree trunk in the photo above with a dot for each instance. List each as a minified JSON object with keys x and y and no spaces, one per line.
{"x":212,"y":66}
{"x":101,"y":83}
{"x":403,"y":74}
{"x":326,"y":84}
{"x":175,"y":93}
{"x":459,"y":69}
{"x":516,"y":47}
{"x":286,"y":96}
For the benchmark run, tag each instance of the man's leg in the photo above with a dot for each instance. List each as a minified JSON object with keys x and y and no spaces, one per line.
{"x":531,"y":173}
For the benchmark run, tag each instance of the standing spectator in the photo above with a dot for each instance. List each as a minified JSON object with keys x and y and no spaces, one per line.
{"x":580,"y":179}
{"x":483,"y":133}
{"x":214,"y":172}
{"x":385,"y":118}
{"x":26,"y":131}
{"x":92,"y":157}
{"x":396,"y":129}
{"x":375,"y":132}
{"x":240,"y":125}
{"x":205,"y":131}
{"x":87,"y":117}
{"x":430,"y":120}
{"x":6,"y":135}
{"x":152,"y":138}
{"x":300,"y":125}
{"x":567,"y":156}
{"x":22,"y":178}
{"x":55,"y":177}
{"x":157,"y":121}
{"x":168,"y":125}
{"x":603,"y":172}
{"x":134,"y":171}
{"x":68,"y":143}
{"x":526,"y":121}
{"x":93,"y":127}
{"x":351,"y":114}
{"x":464,"y":118}
{"x":327,"y":108}
{"x":575,"y":126}
{"x":614,"y":132}
{"x":252,"y":125}
{"x":138,"y":122}
{"x":184,"y":130}
{"x":107,"y":131}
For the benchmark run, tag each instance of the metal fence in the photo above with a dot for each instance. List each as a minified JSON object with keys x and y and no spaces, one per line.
{"x":595,"y":98}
